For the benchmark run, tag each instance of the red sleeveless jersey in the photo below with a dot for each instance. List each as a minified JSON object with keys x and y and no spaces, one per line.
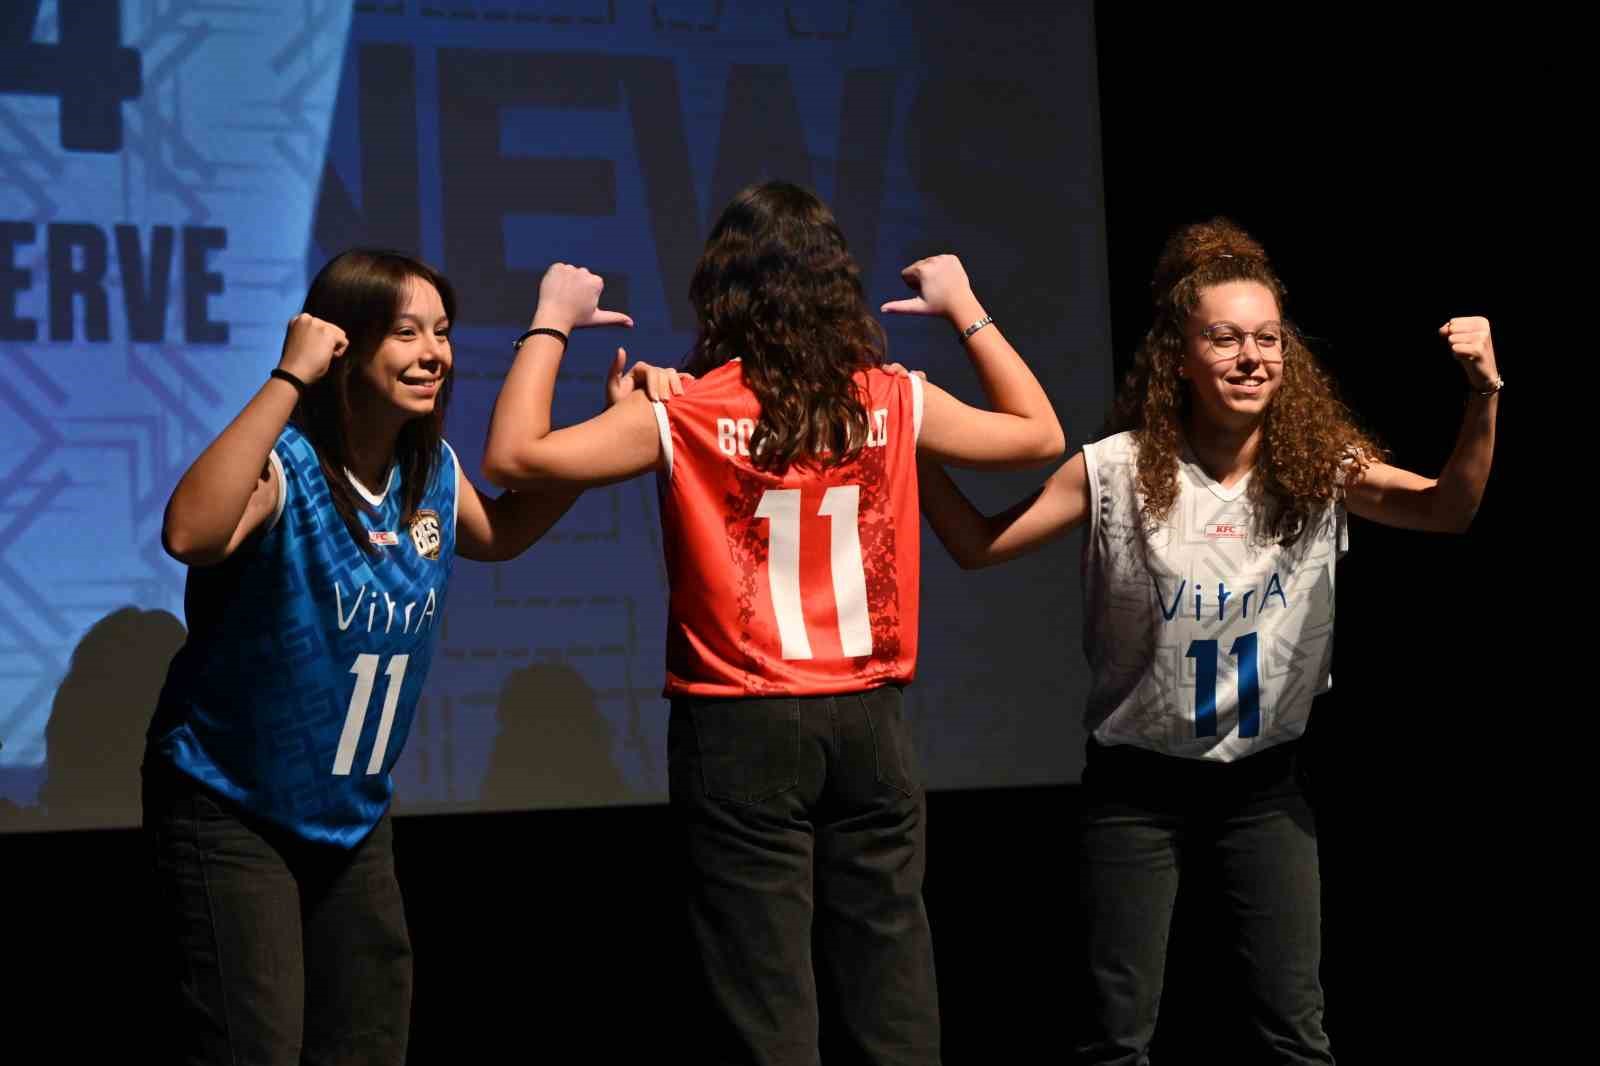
{"x":803,"y":583}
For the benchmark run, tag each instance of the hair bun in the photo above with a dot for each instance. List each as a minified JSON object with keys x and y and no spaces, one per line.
{"x":1200,"y":243}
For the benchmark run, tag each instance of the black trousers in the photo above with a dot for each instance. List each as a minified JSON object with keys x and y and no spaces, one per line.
{"x":804,"y":821}
{"x":1246,"y":829}
{"x":278,"y":951}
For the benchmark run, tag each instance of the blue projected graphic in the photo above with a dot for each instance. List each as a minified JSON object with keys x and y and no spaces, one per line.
{"x":48,"y":58}
{"x":154,"y":217}
{"x":159,"y":223}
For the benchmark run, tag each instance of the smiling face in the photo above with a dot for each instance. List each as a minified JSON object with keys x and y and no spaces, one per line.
{"x":1231,"y":384}
{"x":408,"y":369}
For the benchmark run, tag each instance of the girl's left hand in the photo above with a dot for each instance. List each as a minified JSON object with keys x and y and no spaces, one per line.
{"x":569,"y":298}
{"x":1471,"y":343}
{"x":941,"y":287}
{"x":658,"y":383}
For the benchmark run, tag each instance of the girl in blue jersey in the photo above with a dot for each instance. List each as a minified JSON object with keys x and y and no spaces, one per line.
{"x":320,"y":529}
{"x":1214,"y":520}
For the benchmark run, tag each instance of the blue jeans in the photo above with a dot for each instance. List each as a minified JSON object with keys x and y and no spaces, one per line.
{"x":279,"y":951}
{"x":804,"y":822}
{"x":1247,"y":830}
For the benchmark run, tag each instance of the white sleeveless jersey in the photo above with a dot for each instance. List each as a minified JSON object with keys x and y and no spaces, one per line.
{"x":1202,"y":641}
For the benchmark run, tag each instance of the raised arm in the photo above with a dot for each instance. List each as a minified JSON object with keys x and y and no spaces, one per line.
{"x":522,"y":451}
{"x":1445,"y":504}
{"x":1022,"y":428}
{"x":229,"y":492}
{"x":494,"y":528}
{"x":976,"y":540}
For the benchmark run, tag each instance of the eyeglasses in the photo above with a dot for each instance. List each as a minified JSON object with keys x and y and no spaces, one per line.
{"x":1226,"y":340}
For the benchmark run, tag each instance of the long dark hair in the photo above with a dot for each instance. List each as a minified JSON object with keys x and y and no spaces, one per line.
{"x":777,"y":288}
{"x":362,"y":291}
{"x":1311,"y":444}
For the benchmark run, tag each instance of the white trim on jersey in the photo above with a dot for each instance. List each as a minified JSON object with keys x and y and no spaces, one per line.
{"x":388,"y":483}
{"x":455,"y":509}
{"x":1225,"y":493}
{"x":276,"y":465}
{"x":1096,"y":491}
{"x":916,"y":408}
{"x":665,"y":430}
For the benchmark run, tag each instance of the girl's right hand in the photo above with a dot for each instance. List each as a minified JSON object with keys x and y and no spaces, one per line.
{"x":310,"y":346}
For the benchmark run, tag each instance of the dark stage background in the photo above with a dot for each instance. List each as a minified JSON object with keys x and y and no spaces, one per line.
{"x":1382,"y":172}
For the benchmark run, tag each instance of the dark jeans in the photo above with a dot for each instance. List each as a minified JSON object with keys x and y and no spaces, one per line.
{"x":1247,"y":830}
{"x":805,"y":817}
{"x":277,"y":950}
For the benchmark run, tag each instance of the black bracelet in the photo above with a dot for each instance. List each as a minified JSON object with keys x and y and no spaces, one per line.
{"x":283,"y":375}
{"x":516,"y":345}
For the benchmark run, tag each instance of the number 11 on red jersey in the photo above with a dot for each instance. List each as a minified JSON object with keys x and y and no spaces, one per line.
{"x":841,"y":504}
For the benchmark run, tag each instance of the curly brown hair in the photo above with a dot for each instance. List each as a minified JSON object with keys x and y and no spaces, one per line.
{"x":1311,"y":446}
{"x":777,"y":288}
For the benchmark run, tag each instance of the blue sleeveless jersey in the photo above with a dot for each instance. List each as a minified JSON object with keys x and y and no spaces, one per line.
{"x":295,"y":691}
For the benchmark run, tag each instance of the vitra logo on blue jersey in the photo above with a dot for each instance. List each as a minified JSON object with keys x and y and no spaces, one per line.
{"x":87,"y":68}
{"x":384,"y":623}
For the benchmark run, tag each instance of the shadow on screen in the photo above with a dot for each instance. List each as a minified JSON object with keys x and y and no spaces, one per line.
{"x":95,"y":738}
{"x":554,"y":746}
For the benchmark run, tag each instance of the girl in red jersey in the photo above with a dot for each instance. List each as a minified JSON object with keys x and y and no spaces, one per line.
{"x":788,"y":482}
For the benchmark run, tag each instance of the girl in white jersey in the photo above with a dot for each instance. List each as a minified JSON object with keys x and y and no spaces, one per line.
{"x":1215,"y":518}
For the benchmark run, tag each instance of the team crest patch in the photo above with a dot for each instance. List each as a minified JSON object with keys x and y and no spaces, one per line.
{"x":425,"y":534}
